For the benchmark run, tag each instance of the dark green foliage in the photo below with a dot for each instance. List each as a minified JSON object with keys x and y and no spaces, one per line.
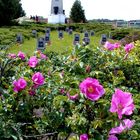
{"x":51,"y":111}
{"x":10,"y":10}
{"x":133,"y":36}
{"x":57,"y":113}
{"x":8,"y":34}
{"x":125,"y":36}
{"x":77,"y":13}
{"x":120,"y":33}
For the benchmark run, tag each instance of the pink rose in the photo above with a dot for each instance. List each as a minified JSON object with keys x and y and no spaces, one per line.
{"x":117,"y":45}
{"x":19,"y":84}
{"x":92,"y":89}
{"x":32,"y":89}
{"x":72,"y":97}
{"x":84,"y":137}
{"x":122,"y":103}
{"x":38,"y":78}
{"x":43,"y":56}
{"x":62,"y":90}
{"x":128,"y":47}
{"x":112,"y":137}
{"x":126,"y":125}
{"x":12,"y":55}
{"x":33,"y":61}
{"x":21,"y":55}
{"x":110,"y":46}
{"x":32,"y":92}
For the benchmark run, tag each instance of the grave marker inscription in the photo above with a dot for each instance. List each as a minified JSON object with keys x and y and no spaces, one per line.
{"x":76,"y":39}
{"x":103,"y":39}
{"x":60,"y":34}
{"x":92,"y":33}
{"x":86,"y":41}
{"x":41,"y":43}
{"x":47,"y":38}
{"x":19,"y":38}
{"x":86,"y":34}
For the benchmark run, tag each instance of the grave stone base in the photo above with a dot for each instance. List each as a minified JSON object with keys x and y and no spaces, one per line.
{"x":54,"y":19}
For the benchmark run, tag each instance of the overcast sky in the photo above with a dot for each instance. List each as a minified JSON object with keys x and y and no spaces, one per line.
{"x":94,"y":9}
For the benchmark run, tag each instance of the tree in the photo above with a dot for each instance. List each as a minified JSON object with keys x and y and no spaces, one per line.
{"x":9,"y":10}
{"x":77,"y":13}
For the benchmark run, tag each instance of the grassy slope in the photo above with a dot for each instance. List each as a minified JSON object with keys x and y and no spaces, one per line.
{"x":61,"y":46}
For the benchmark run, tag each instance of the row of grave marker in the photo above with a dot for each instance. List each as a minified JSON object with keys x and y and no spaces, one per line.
{"x":86,"y":41}
{"x":60,"y":33}
{"x":41,"y":42}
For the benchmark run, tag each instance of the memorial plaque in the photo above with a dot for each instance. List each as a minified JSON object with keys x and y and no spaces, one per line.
{"x":67,"y":29}
{"x":48,"y":30}
{"x":47,"y":38}
{"x":86,"y":34}
{"x":86,"y":41}
{"x":34,"y":33}
{"x":92,"y":33}
{"x":76,"y":39}
{"x":19,"y":38}
{"x":70,"y":32}
{"x":103,"y":39}
{"x":60,"y":34}
{"x":41,"y":44}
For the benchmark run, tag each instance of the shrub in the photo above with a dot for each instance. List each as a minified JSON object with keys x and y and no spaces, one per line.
{"x":51,"y":103}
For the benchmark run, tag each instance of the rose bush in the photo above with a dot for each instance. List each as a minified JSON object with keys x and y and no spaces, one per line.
{"x":51,"y":95}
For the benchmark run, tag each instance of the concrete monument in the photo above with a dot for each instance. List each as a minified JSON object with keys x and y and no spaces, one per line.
{"x":57,"y":13}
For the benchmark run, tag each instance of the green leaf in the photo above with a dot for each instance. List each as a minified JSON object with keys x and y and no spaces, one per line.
{"x":14,"y":137}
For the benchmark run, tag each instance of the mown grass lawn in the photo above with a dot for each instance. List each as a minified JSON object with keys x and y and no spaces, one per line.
{"x":64,"y":45}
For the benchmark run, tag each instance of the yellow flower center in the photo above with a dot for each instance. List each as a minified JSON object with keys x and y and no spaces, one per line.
{"x":90,"y":89}
{"x":120,"y":106}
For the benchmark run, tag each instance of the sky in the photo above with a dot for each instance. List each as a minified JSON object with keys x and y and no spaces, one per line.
{"x":94,"y":9}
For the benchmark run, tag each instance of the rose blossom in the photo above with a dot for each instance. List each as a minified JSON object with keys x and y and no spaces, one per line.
{"x":111,"y":46}
{"x":117,"y":45}
{"x":43,"y":56}
{"x":12,"y":55}
{"x":92,"y":89}
{"x":72,"y":97}
{"x":21,"y":55}
{"x":19,"y":84}
{"x":112,"y":137}
{"x":83,"y":137}
{"x":122,"y":103}
{"x":127,"y":124}
{"x":38,"y":78}
{"x":33,"y":61}
{"x":32,"y":92}
{"x":128,"y":47}
{"x":62,"y":90}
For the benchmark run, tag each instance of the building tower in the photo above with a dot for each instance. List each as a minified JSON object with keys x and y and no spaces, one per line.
{"x":57,"y":13}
